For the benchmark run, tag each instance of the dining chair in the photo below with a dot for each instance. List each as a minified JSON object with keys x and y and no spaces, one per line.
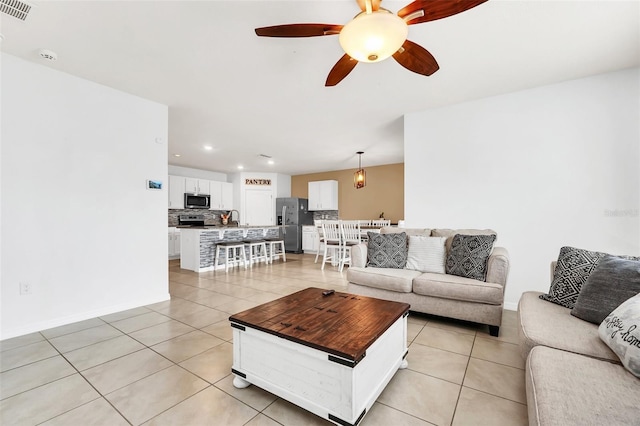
{"x":320,"y":238}
{"x":332,"y":242}
{"x":350,"y":235}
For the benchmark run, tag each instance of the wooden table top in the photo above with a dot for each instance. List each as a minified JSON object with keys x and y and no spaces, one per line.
{"x":342,"y":324}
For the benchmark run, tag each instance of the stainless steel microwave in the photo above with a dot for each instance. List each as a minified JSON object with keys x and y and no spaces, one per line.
{"x":197,"y":201}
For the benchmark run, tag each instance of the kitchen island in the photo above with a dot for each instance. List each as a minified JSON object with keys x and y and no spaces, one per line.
{"x":198,"y":243}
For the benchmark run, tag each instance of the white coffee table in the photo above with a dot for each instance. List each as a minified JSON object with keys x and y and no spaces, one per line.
{"x":331,"y":355}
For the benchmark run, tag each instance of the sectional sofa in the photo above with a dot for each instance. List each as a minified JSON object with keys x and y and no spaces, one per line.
{"x":572,"y":376}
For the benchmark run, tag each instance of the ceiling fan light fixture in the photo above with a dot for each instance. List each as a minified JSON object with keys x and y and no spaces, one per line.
{"x":373,"y":37}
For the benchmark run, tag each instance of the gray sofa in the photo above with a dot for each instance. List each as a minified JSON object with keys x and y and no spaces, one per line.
{"x":572,"y":377}
{"x":432,"y":293}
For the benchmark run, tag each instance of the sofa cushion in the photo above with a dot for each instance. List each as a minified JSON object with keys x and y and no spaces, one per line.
{"x":469,"y":255}
{"x":426,"y":254}
{"x":400,"y":280}
{"x":450,"y":233}
{"x":612,"y":282}
{"x":547,"y":324}
{"x":620,"y":330}
{"x":387,"y":251}
{"x":457,"y":288}
{"x":421,"y":232}
{"x":569,"y":389}
{"x":572,"y":270}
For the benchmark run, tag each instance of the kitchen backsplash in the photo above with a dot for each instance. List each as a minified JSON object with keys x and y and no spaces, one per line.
{"x":211,"y":217}
{"x":325,"y":215}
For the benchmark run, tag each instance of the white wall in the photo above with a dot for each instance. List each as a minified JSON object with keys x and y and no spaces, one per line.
{"x":280,"y":187}
{"x":77,"y":223}
{"x":548,"y":167}
{"x":197,"y":173}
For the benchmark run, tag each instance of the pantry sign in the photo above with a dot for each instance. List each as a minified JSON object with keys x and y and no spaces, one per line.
{"x":258,"y":182}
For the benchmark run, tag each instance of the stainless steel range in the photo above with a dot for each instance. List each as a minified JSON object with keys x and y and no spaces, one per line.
{"x":191,"y":220}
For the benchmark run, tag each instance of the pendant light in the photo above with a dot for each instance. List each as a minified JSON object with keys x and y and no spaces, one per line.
{"x":360,"y":176}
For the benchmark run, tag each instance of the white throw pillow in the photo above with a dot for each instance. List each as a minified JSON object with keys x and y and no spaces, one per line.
{"x":426,"y":254}
{"x":621,"y":332}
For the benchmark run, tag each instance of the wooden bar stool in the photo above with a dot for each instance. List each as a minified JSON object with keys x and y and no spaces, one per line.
{"x":276,"y":248}
{"x":257,"y":251}
{"x":233,"y":252}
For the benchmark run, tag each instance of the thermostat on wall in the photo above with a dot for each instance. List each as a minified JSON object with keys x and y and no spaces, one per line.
{"x":154,"y":184}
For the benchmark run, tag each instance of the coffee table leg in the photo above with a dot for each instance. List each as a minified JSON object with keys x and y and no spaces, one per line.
{"x":404,"y":364}
{"x":240,"y":383}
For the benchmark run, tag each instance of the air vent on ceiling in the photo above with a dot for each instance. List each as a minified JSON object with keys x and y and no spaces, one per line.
{"x":15,"y":8}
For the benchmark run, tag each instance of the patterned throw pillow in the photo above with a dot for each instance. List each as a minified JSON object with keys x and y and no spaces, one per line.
{"x":621,"y":332}
{"x":387,"y":250}
{"x":469,"y":255}
{"x":573,"y":268}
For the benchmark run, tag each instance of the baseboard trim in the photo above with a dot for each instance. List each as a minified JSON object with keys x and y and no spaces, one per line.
{"x":510,"y":306}
{"x":80,"y":316}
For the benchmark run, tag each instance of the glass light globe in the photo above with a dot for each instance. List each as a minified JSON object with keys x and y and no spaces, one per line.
{"x":373,"y":37}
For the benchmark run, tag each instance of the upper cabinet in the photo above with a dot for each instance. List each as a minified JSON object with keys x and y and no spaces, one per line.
{"x":196,"y":186}
{"x":221,"y":192}
{"x":323,"y":195}
{"x":221,"y":195}
{"x":176,"y":192}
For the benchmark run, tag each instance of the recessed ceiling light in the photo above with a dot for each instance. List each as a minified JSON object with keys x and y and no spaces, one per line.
{"x":208,"y":147}
{"x":271,"y":162}
{"x":176,"y":155}
{"x":240,"y":167}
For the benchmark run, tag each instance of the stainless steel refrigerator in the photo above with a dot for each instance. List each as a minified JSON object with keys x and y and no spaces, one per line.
{"x":292,"y":214}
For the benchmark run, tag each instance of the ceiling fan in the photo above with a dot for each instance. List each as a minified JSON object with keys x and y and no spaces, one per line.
{"x":376,"y":34}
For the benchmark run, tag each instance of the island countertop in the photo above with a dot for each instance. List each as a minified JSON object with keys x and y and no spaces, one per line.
{"x":198,"y":243}
{"x":225,"y":227}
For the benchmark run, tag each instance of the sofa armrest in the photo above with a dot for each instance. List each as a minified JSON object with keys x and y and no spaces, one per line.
{"x":359,"y":255}
{"x":498,"y":266}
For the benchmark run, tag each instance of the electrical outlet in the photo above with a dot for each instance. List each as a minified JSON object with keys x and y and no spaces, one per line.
{"x":25,"y":288}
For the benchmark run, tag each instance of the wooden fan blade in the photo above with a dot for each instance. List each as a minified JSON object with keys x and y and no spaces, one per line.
{"x":375,"y":4}
{"x":416,"y":58}
{"x":436,"y":9}
{"x":340,"y":70}
{"x":299,"y":30}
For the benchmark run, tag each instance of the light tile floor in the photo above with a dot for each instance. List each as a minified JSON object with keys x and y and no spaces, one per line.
{"x":170,"y":363}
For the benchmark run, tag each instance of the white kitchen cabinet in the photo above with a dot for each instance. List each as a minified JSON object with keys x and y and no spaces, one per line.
{"x":174,"y":242}
{"x":227,"y":196}
{"x":176,"y":192}
{"x":323,"y":195}
{"x":196,"y":186}
{"x":221,"y":195}
{"x":309,"y":239}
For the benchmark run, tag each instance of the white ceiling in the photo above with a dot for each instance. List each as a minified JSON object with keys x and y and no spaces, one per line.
{"x":246,"y":95}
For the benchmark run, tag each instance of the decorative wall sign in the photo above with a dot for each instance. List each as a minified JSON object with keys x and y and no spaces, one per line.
{"x":259,"y":182}
{"x":154,"y":184}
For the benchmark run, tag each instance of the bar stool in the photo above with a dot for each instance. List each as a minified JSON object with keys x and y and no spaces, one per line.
{"x":276,"y":248}
{"x":257,"y":251}
{"x":233,"y":252}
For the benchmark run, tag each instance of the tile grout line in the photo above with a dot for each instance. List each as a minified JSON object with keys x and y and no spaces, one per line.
{"x":466,"y":369}
{"x":92,"y":386}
